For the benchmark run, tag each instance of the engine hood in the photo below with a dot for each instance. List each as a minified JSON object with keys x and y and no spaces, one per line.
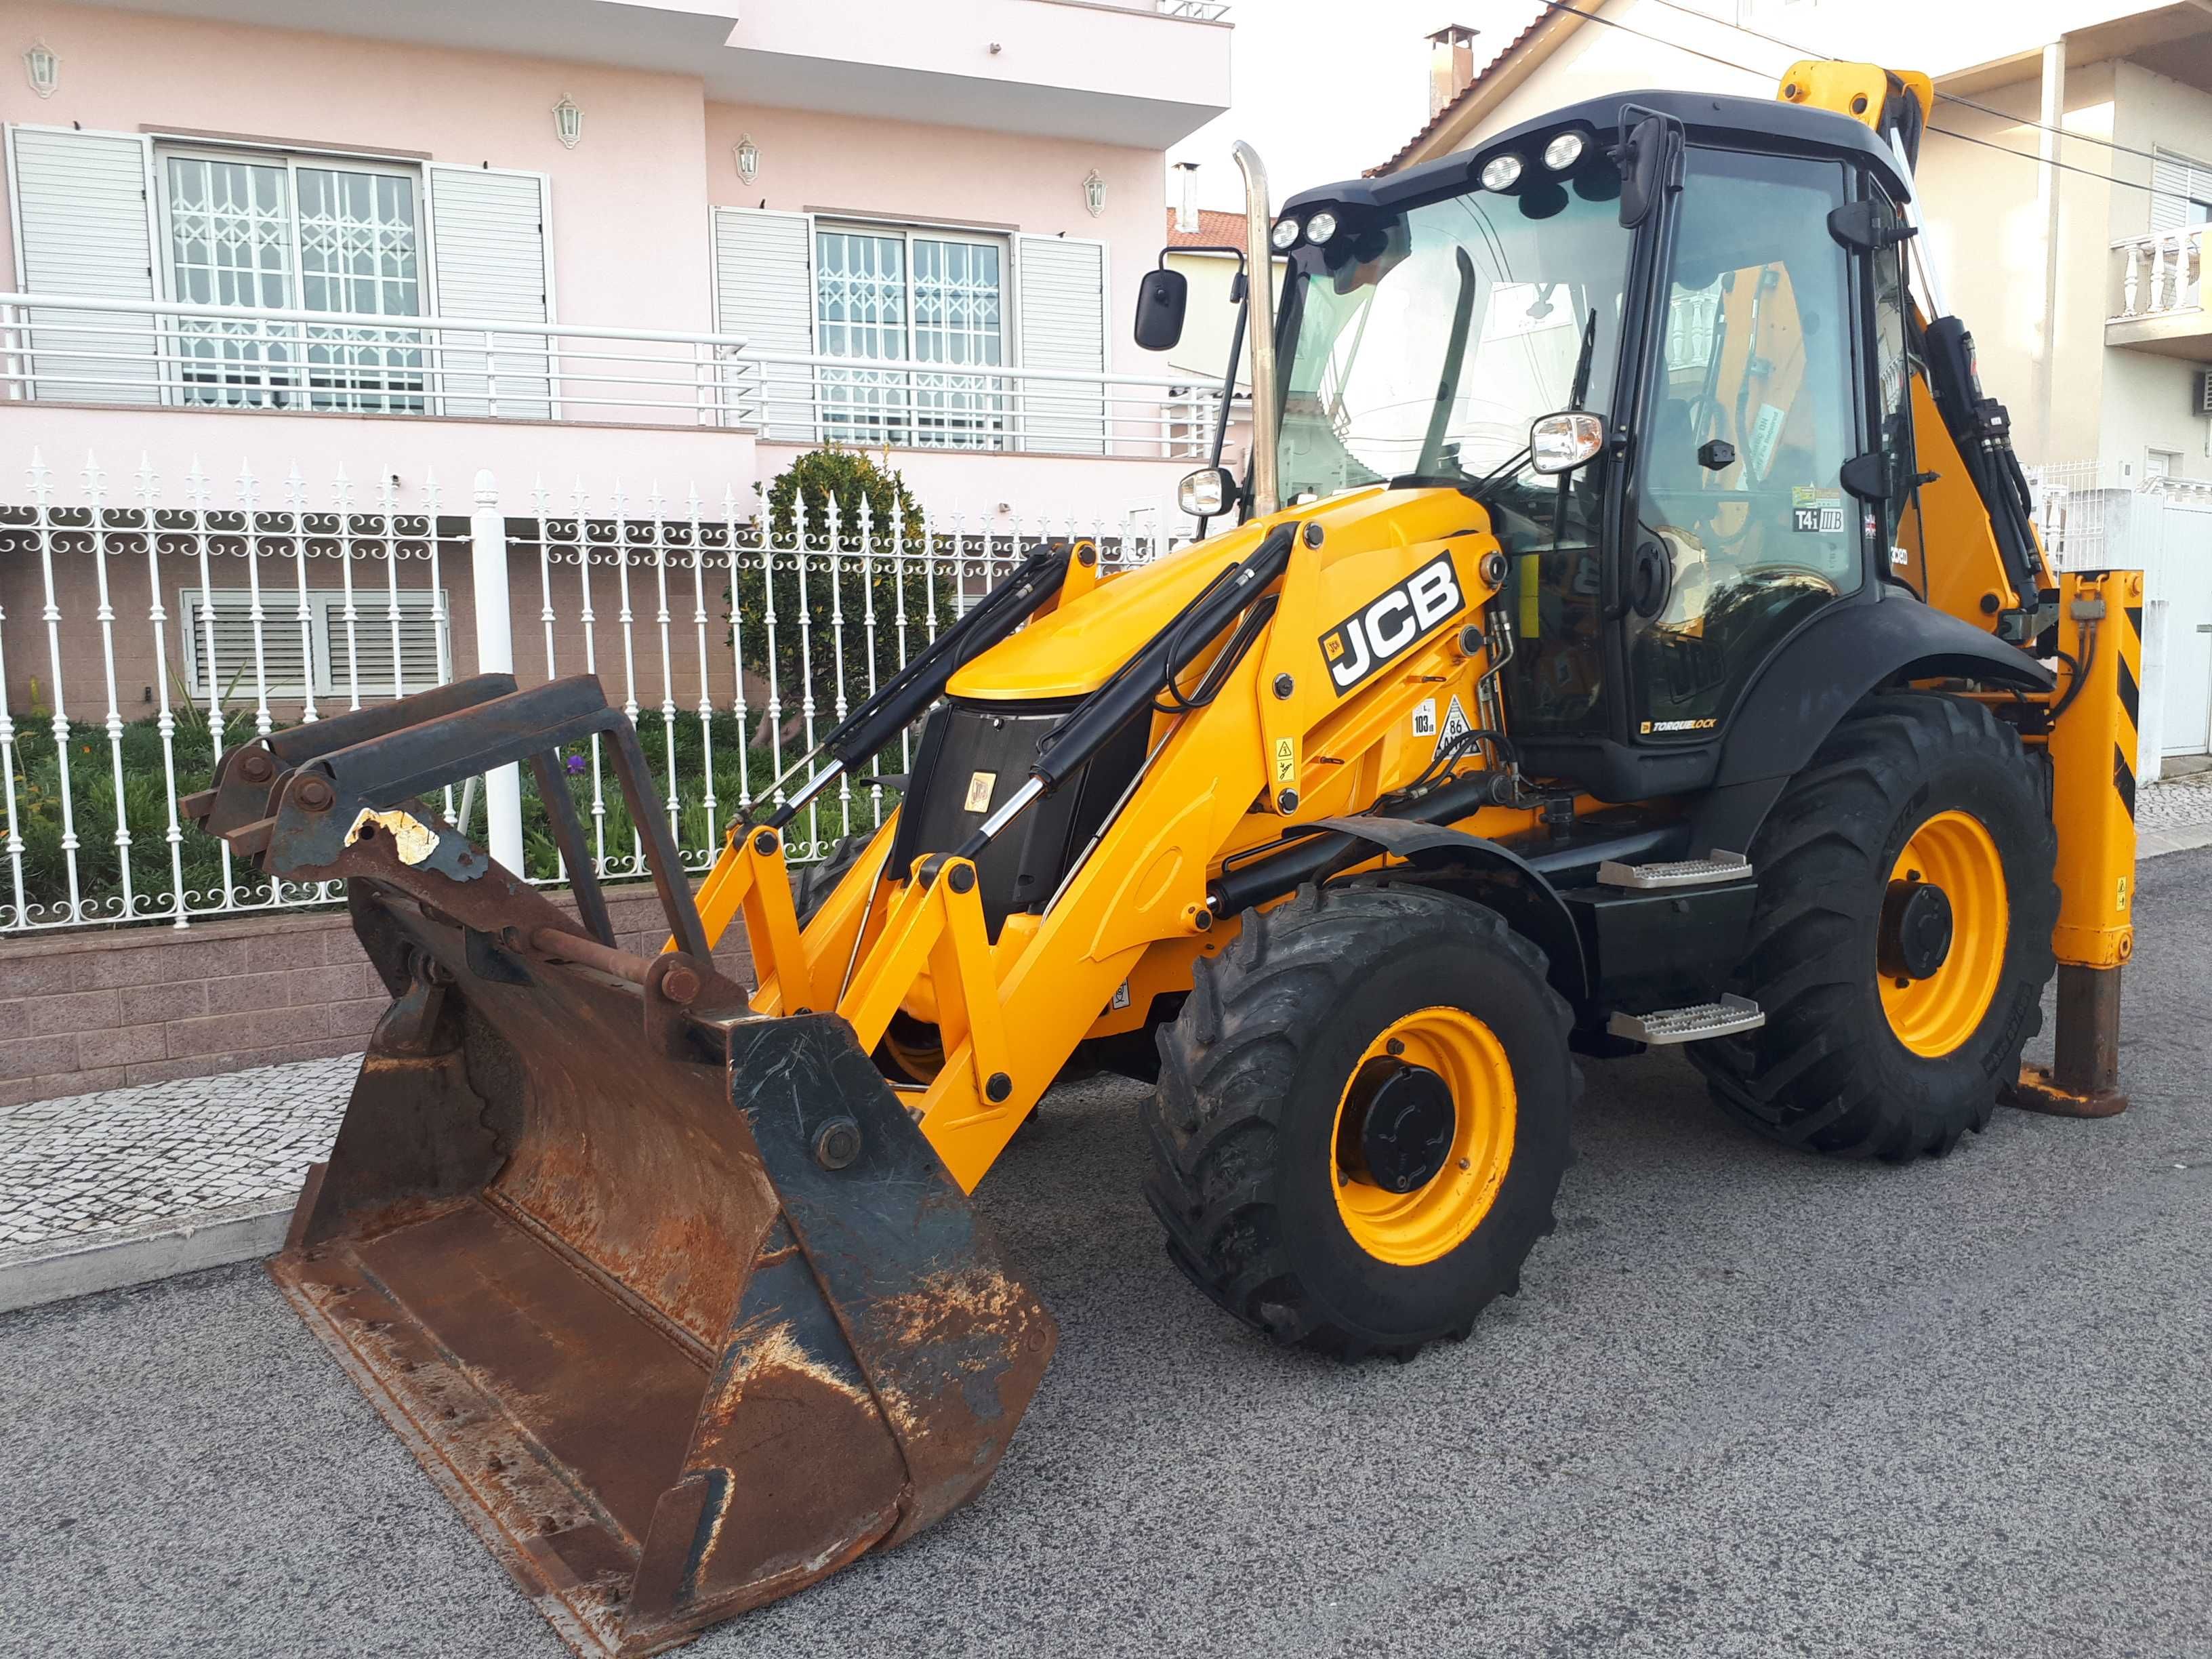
{"x":1072,"y":650}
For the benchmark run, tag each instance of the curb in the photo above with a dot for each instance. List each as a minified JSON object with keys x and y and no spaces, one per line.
{"x":2183,"y":838}
{"x":57,"y":1269}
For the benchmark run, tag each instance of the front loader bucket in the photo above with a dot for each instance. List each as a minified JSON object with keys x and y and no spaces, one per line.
{"x":674,"y":1302}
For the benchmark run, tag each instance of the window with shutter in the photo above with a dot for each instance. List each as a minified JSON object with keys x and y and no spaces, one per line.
{"x":764,"y":290}
{"x":216,"y":634}
{"x":2181,"y":192}
{"x":82,"y":228}
{"x":489,"y":260}
{"x":1060,"y":308}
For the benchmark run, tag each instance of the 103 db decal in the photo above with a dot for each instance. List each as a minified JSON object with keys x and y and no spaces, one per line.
{"x":1391,"y":623}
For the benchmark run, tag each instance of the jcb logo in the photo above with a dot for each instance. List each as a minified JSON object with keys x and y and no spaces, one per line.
{"x":1391,"y":623}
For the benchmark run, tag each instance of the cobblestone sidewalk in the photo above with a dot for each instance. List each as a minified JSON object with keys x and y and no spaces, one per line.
{"x":2174,"y":814}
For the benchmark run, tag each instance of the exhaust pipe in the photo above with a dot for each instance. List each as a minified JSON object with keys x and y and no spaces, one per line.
{"x":1260,"y":304}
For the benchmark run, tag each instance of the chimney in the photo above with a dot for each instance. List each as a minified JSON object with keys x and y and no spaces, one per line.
{"x":1187,"y":204}
{"x":1452,"y":65}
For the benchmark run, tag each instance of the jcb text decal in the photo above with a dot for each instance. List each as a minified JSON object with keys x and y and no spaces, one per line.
{"x":1391,"y":623}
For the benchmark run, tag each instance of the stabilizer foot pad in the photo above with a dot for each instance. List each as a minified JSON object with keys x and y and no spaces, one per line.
{"x":2036,"y":1090}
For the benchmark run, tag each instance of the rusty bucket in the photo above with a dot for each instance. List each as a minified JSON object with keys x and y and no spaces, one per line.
{"x":674,"y":1302}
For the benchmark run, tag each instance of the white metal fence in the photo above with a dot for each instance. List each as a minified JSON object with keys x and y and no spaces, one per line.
{"x":77,"y":348}
{"x":145,"y":633}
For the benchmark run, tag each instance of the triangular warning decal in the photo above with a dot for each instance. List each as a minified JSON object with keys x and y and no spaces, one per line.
{"x":1456,"y":724}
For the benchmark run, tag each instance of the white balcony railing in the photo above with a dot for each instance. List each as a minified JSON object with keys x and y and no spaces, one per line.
{"x":2158,"y":275}
{"x":80,"y":349}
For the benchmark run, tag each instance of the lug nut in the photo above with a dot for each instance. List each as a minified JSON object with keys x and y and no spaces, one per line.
{"x":315,"y":794}
{"x":255,"y":766}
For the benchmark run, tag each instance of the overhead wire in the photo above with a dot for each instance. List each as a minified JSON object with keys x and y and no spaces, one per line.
{"x":1729,"y":63}
{"x":1947,"y":97}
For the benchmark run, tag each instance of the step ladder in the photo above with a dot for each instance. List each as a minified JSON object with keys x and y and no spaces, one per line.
{"x":1698,"y":1022}
{"x":1715,"y":866}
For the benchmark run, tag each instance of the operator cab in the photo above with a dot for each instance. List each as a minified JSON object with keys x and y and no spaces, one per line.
{"x":1691,"y":270}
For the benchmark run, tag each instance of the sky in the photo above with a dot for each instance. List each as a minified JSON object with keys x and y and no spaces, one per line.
{"x":1325,"y":89}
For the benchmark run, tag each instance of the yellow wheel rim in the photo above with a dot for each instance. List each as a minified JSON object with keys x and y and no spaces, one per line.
{"x":1934,"y":1015}
{"x":1407,"y":1228}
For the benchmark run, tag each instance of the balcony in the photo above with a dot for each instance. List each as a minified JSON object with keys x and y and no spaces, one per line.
{"x":2157,"y":295}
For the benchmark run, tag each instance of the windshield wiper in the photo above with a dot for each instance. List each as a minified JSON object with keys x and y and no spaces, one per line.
{"x":1465,"y":483}
{"x":1582,"y":363}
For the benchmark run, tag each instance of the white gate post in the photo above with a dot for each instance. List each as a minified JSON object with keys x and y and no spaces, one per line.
{"x":496,"y":655}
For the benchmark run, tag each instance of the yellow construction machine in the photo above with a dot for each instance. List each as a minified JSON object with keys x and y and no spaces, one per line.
{"x":1629,"y":631}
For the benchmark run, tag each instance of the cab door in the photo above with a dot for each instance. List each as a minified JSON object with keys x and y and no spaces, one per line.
{"x":1740,"y":530}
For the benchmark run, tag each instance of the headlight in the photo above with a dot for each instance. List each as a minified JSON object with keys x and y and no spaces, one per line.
{"x":1320,"y":227}
{"x":1204,"y":493}
{"x":1560,"y":443}
{"x":1564,"y":151}
{"x":1284,"y":233}
{"x":1501,"y":172}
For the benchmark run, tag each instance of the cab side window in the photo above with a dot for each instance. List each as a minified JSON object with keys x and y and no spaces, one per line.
{"x":1743,"y":530}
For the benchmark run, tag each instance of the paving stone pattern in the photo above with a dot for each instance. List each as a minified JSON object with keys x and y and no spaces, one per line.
{"x":169,"y":1151}
{"x":2175,"y":803}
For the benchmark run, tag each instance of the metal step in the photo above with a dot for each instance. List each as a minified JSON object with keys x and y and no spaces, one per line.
{"x":1716,"y":866}
{"x":1696,"y":1024}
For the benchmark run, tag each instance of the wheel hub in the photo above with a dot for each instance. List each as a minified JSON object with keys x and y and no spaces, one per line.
{"x":1916,"y":930}
{"x":1408,"y":1126}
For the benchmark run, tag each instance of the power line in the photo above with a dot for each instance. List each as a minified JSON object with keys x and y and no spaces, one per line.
{"x":1947,"y":97}
{"x":1728,"y":63}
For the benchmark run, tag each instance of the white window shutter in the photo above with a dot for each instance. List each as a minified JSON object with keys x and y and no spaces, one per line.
{"x":764,"y":291}
{"x":1059,"y":316}
{"x":2169,"y":183}
{"x":81,"y":228}
{"x":490,"y":259}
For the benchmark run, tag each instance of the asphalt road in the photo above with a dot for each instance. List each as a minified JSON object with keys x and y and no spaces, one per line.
{"x":1750,"y":1402}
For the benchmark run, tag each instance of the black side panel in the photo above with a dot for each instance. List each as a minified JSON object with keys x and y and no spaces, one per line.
{"x":1798,"y":697}
{"x":972,"y":757}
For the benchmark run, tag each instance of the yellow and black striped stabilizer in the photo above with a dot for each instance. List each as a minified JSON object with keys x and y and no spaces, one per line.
{"x":2092,"y":758}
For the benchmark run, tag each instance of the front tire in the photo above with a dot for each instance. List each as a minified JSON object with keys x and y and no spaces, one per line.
{"x":1312,"y":1179}
{"x":1889,"y":1029}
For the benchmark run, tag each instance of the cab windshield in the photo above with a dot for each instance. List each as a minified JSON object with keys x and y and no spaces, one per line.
{"x":1428,"y":339}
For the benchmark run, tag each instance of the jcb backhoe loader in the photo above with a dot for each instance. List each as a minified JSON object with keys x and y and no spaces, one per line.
{"x":1631,"y":632}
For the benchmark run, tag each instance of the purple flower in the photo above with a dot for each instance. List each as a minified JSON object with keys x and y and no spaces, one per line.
{"x":575,"y":762}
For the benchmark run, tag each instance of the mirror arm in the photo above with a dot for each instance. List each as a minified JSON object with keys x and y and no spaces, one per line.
{"x":1228,"y":399}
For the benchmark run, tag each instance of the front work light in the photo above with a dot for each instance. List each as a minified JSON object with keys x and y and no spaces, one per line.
{"x":1206,"y":493}
{"x":1320,"y":227}
{"x":1284,"y":233}
{"x":1564,"y":151}
{"x":1560,"y":443}
{"x":1501,"y":172}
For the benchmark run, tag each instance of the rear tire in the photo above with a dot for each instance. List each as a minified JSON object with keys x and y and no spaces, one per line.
{"x":1270,"y":1072}
{"x":812,"y":884}
{"x":1853,"y":1061}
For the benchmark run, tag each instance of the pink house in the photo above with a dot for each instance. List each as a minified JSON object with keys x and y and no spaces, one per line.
{"x":348,"y":347}
{"x":690,"y":221}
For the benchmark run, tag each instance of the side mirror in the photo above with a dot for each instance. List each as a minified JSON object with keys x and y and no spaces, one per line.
{"x":1648,"y":167}
{"x":1161,"y":297}
{"x":1206,"y":493}
{"x":1561,"y":443}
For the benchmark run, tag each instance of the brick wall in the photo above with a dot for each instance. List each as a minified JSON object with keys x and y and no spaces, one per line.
{"x":103,"y":1010}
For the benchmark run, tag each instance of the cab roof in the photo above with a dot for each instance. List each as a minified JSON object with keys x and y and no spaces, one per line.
{"x":1764,"y":124}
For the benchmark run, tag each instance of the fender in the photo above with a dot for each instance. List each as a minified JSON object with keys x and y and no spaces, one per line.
{"x":1820,"y":675}
{"x":1476,"y":868}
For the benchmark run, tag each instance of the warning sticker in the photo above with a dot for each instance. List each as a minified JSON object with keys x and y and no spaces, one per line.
{"x":1456,"y":724}
{"x":1425,"y":718}
{"x":1122,"y":994}
{"x":1816,"y":511}
{"x":1765,"y":431}
{"x":1287,"y":761}
{"x":979,"y":792}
